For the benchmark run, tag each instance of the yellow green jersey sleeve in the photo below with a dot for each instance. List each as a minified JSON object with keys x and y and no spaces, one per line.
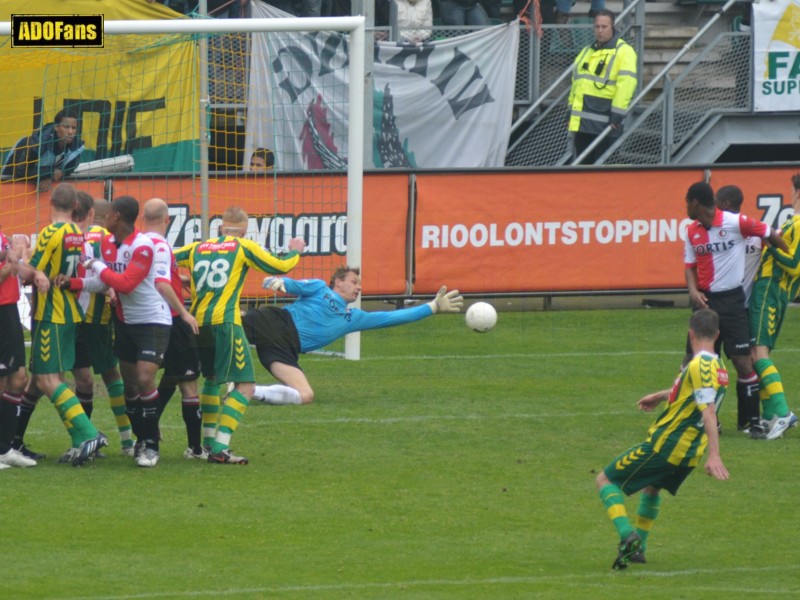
{"x":678,"y":433}
{"x":219,"y":267}
{"x":59,"y":248}
{"x":98,"y":310}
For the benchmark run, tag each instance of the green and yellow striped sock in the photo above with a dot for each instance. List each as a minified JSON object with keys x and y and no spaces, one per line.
{"x":69,"y":409}
{"x":614,"y":501}
{"x":229,"y":420}
{"x":74,"y":437}
{"x":646,"y":515}
{"x":209,"y":410}
{"x":770,"y":380}
{"x":116,"y":398}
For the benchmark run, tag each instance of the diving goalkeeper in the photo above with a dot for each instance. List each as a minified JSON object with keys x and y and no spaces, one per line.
{"x":319,"y":316}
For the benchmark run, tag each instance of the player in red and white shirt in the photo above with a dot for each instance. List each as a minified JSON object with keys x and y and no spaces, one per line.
{"x":714,"y":257}
{"x":181,"y":361}
{"x":12,"y":356}
{"x":143,"y":320}
{"x":730,"y":198}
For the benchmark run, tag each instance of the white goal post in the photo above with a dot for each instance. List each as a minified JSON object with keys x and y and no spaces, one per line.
{"x":355,"y":27}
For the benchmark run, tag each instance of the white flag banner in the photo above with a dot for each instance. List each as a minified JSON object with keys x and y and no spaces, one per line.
{"x":442,"y":104}
{"x":776,"y":46}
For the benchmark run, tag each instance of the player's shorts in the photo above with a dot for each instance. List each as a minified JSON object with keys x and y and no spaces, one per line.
{"x":639,"y":467}
{"x":225,"y":353}
{"x":734,"y":322}
{"x":94,"y":347}
{"x":52,"y":348}
{"x":140,"y":342}
{"x":182,"y":360}
{"x":12,"y":341}
{"x":768,"y":304}
{"x":272,"y":330}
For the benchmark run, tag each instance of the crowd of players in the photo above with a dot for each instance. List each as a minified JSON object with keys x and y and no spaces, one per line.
{"x":741,"y":275}
{"x":79,"y":269}
{"x":748,"y":274}
{"x":109,"y":300}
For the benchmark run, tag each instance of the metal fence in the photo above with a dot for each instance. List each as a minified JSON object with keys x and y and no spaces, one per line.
{"x":668,"y":116}
{"x":659,"y":129}
{"x":715,"y":83}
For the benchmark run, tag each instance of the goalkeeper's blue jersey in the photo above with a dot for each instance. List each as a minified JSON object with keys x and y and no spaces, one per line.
{"x":321,"y":316}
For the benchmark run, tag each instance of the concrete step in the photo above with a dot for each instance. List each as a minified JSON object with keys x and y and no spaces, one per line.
{"x":659,"y":33}
{"x":661,"y":56}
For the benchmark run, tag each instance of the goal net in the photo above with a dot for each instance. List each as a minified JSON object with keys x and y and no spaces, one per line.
{"x":180,"y":108}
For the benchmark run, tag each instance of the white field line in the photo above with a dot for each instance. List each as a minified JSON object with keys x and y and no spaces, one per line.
{"x":433,"y":418}
{"x":252,"y":424}
{"x":539,"y":355}
{"x":587,"y":579}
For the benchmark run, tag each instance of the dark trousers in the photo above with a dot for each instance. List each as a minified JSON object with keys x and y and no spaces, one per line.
{"x":582,"y":141}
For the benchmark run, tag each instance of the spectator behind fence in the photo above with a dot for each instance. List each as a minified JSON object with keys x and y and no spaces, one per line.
{"x":493,"y":9}
{"x":221,"y":9}
{"x":315,"y":8}
{"x":558,"y":12}
{"x":603,"y":83}
{"x":262,"y":159}
{"x":462,"y":12}
{"x":414,"y":20}
{"x":46,"y":155}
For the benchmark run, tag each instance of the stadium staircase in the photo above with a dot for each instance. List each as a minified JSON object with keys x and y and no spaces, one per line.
{"x":694,"y":99}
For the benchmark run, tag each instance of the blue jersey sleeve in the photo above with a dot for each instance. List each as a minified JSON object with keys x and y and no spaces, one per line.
{"x":321,"y":316}
{"x":363,"y":320}
{"x":303,"y":287}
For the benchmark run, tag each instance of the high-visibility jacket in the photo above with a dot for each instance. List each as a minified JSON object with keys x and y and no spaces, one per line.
{"x":603,"y":83}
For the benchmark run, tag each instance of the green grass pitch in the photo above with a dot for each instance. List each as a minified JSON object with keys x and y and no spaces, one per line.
{"x":444,"y":465}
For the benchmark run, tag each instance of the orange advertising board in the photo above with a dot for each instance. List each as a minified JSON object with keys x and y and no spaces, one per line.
{"x":513,"y":232}
{"x":269,"y":201}
{"x":566,"y":231}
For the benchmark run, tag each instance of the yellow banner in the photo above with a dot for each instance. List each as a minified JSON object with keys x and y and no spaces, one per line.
{"x":138,"y":95}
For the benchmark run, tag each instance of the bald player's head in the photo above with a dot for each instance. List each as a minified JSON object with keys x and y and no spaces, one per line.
{"x":155,"y":215}
{"x":155,"y":209}
{"x":101,"y":207}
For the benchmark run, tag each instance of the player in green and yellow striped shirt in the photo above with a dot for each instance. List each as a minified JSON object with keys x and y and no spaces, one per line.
{"x":59,"y":248}
{"x":218,"y":267}
{"x":675,"y":443}
{"x":777,"y":284}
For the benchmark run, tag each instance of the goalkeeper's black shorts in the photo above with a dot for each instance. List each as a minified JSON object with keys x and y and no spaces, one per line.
{"x":272,"y":331}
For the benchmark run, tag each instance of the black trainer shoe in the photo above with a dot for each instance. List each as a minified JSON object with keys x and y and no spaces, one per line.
{"x":88,"y":448}
{"x":627,"y":547}
{"x":638,"y":557}
{"x":757,"y":430}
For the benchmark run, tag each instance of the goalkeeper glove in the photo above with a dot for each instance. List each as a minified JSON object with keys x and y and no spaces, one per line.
{"x":446,"y":302}
{"x":275,"y":284}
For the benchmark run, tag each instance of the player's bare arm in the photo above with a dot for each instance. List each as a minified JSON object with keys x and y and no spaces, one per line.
{"x":298,"y":244}
{"x":696,"y":297}
{"x":175,"y":303}
{"x":777,"y":240}
{"x":714,"y":466}
{"x":650,"y":401}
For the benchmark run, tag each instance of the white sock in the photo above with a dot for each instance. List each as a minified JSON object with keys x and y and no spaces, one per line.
{"x":276,"y":394}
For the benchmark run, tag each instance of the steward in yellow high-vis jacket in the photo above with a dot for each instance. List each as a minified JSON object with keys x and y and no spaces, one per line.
{"x":603,"y":83}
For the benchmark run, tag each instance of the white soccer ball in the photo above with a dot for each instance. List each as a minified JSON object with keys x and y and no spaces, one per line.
{"x":481,"y":317}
